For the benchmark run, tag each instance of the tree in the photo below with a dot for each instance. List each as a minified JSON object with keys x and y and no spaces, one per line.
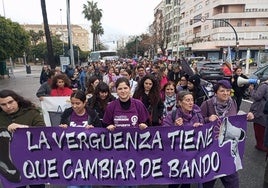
{"x":36,"y":37}
{"x":97,"y":28}
{"x":14,"y":40}
{"x":51,"y":60}
{"x":137,"y":43}
{"x":93,"y":14}
{"x":40,"y":50}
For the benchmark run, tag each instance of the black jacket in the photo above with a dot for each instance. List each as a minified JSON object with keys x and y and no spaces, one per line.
{"x":155,"y":110}
{"x":97,"y":106}
{"x":239,"y":91}
{"x":93,"y":118}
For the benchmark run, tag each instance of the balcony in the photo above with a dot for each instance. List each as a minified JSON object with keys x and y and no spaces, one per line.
{"x":241,"y":15}
{"x":216,"y":44}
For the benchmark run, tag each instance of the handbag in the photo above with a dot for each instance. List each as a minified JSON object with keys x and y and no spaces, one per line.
{"x":55,"y":116}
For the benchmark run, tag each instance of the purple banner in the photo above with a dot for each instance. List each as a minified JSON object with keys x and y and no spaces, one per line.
{"x":127,"y":156}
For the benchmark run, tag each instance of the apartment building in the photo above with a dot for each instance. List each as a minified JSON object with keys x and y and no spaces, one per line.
{"x":80,"y":36}
{"x":156,"y":29}
{"x":208,"y":27}
{"x":172,"y":26}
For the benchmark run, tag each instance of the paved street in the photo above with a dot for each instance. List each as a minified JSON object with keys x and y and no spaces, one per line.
{"x":254,"y":161}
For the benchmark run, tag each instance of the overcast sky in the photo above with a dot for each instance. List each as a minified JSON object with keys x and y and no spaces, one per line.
{"x":120,"y":17}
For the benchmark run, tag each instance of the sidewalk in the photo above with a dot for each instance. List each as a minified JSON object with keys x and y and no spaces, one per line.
{"x":23,"y":83}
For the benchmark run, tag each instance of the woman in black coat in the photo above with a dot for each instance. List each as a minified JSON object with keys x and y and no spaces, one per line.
{"x":239,"y":91}
{"x":100,"y":99}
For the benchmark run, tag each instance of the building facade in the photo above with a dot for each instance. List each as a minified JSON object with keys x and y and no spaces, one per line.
{"x":80,"y":36}
{"x":208,"y":27}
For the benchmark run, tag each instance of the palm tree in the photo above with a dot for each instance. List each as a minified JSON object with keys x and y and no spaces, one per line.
{"x":93,"y":14}
{"x":97,"y":28}
{"x":51,"y":61}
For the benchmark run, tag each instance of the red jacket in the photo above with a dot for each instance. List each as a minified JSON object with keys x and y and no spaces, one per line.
{"x":226,"y":70}
{"x":61,"y":92}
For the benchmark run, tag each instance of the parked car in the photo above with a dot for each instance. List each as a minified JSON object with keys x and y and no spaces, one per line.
{"x":242,"y":62}
{"x":261,"y":74}
{"x":211,"y":71}
{"x":200,"y":64}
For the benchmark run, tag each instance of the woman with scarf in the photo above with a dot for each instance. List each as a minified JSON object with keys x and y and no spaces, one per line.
{"x":219,"y":106}
{"x":169,"y":98}
{"x":110,"y":78}
{"x":187,"y":114}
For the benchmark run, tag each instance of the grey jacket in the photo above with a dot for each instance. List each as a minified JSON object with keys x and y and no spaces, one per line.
{"x":259,"y":95}
{"x":44,"y":90}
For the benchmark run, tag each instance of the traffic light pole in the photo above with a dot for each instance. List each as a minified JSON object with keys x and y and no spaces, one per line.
{"x":203,"y":19}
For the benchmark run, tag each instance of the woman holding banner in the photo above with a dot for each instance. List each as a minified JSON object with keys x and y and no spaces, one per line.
{"x":219,"y":106}
{"x":127,"y":111}
{"x":259,"y":94}
{"x":79,"y":115}
{"x":15,"y":112}
{"x":187,"y":114}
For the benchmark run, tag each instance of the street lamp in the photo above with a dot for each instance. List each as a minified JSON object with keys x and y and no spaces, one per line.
{"x":203,"y":19}
{"x":63,"y":51}
{"x":70,"y":40}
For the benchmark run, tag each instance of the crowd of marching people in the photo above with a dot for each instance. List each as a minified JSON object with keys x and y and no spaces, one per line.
{"x":154,"y":91}
{"x":108,"y":94}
